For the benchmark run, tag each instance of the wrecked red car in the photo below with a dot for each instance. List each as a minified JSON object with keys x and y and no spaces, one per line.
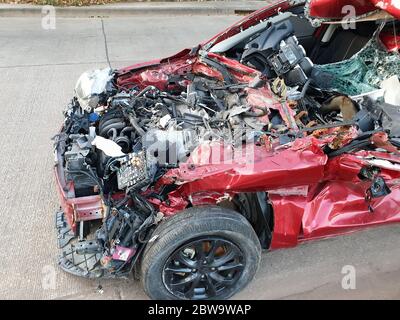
{"x":281,"y":129}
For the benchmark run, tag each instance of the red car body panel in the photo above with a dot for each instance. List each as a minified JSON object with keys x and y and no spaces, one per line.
{"x":333,"y":9}
{"x":249,"y":20}
{"x":390,"y":6}
{"x":288,"y":213}
{"x":390,"y":41}
{"x":312,"y":196}
{"x":77,"y":209}
{"x":336,"y":9}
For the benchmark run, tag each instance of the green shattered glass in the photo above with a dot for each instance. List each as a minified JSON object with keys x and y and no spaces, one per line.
{"x":363,"y":72}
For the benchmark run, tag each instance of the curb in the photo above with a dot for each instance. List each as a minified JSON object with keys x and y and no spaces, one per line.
{"x":133,"y":10}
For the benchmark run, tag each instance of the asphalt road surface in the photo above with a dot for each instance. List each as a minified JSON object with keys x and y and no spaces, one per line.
{"x":38,"y":70}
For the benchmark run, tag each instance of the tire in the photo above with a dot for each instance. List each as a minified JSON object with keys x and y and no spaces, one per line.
{"x":200,"y":238}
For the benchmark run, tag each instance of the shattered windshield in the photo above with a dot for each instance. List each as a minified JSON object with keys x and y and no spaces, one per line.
{"x":362,"y":73}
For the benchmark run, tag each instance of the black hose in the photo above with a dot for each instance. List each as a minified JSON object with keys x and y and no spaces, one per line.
{"x":116,"y":126}
{"x":126,"y":129}
{"x":110,"y":162}
{"x":106,"y":122}
{"x":134,"y":123}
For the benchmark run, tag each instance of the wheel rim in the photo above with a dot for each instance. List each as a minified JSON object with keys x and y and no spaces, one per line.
{"x":203,"y":269}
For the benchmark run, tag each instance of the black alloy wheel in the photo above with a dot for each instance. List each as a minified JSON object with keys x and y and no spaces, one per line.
{"x":203,"y":268}
{"x":206,"y":252}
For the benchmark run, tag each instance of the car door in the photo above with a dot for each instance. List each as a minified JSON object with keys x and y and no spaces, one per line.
{"x":359,"y":192}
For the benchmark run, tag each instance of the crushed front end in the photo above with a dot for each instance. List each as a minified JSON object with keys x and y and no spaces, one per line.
{"x":143,"y":143}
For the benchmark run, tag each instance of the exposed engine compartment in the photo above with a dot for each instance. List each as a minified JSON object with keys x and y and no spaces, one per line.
{"x":123,"y":132}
